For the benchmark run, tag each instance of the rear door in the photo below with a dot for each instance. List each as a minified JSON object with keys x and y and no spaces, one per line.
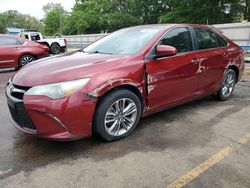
{"x":212,"y":52}
{"x":9,"y":51}
{"x":172,"y":79}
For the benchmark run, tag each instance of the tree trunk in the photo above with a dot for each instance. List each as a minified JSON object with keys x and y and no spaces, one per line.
{"x":247,"y":11}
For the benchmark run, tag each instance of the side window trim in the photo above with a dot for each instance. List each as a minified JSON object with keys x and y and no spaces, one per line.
{"x":148,"y":56}
{"x":195,"y":40}
{"x":18,"y":42}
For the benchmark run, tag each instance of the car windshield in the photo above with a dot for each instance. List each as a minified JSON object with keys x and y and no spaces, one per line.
{"x":126,"y":41}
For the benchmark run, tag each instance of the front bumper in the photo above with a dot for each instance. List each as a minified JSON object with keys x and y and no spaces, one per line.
{"x":64,"y":119}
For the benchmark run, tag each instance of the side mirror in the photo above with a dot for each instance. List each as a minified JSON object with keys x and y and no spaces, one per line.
{"x":165,"y":50}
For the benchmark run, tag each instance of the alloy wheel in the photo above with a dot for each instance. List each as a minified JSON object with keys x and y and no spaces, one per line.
{"x":228,"y":85}
{"x":55,"y":49}
{"x":25,"y":60}
{"x":120,"y":117}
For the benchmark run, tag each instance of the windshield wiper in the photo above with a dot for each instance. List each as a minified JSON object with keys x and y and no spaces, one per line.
{"x":94,"y":52}
{"x":98,"y":52}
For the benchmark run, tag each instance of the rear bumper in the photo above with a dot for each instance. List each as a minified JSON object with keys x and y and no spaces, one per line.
{"x":42,"y":55}
{"x":62,"y":120}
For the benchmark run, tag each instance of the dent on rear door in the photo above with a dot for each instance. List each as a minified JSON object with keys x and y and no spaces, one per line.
{"x":212,"y":66}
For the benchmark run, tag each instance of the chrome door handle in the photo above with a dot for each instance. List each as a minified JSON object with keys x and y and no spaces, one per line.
{"x":18,"y":48}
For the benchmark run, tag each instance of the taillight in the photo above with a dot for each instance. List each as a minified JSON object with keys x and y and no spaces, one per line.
{"x":44,"y":47}
{"x":65,"y":41}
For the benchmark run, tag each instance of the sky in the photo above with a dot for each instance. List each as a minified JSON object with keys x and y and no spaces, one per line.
{"x":32,"y":7}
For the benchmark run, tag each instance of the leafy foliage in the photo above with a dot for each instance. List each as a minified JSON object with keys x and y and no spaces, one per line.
{"x":203,"y":12}
{"x":15,"y":19}
{"x":55,"y":18}
{"x":246,"y":9}
{"x":95,"y":16}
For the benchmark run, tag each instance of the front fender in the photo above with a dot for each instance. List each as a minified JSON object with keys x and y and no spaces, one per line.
{"x":102,"y":89}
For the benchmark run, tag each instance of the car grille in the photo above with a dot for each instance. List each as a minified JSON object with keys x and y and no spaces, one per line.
{"x":21,"y":117}
{"x":17,"y":110}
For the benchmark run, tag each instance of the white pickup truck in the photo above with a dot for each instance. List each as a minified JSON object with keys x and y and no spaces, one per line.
{"x":56,"y":45}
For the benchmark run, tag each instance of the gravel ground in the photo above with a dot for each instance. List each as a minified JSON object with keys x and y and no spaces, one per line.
{"x":164,"y":147}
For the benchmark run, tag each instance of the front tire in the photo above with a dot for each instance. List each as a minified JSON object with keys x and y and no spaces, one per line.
{"x":228,"y":85}
{"x":117,"y":115}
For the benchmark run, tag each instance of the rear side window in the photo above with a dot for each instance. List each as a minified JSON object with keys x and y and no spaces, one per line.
{"x":180,"y":38}
{"x":221,"y":42}
{"x":6,"y":41}
{"x":206,"y":39}
{"x":21,"y":41}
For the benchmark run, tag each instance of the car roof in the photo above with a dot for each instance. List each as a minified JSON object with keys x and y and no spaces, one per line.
{"x":13,"y":36}
{"x":166,"y":26}
{"x":29,"y":32}
{"x":10,"y":36}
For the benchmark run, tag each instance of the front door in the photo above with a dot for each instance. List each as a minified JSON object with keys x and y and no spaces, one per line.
{"x":9,"y":48}
{"x":173,"y":79}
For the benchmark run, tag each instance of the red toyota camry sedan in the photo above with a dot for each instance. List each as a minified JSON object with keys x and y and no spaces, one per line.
{"x":107,"y":87}
{"x":15,"y":52}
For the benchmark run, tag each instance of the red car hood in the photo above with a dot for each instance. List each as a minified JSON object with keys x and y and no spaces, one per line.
{"x":67,"y":67}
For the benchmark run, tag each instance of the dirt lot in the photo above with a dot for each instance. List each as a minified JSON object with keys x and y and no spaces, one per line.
{"x":201,"y":144}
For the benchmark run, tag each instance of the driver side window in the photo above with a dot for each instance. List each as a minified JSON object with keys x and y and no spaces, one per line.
{"x":180,"y":38}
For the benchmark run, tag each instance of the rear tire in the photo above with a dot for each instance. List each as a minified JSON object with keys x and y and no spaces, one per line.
{"x":117,"y":115}
{"x":55,"y":49}
{"x":228,"y":85}
{"x":24,"y":60}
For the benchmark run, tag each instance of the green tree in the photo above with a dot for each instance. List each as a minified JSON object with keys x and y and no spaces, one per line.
{"x":15,"y":19}
{"x":91,"y":16}
{"x":246,"y":13}
{"x":2,"y":24}
{"x":94,"y":16}
{"x":55,"y":18}
{"x":203,"y":11}
{"x":149,"y":11}
{"x":117,"y":14}
{"x":85,"y":17}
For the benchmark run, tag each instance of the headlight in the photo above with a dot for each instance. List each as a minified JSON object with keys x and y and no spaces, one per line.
{"x":58,"y":90}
